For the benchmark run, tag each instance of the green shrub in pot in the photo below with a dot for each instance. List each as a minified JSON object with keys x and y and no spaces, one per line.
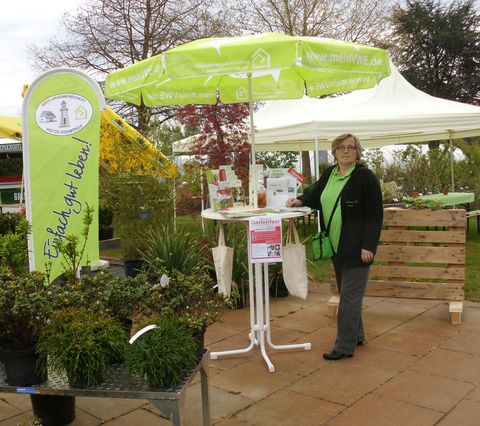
{"x":82,"y":343}
{"x":119,"y":296}
{"x":25,"y":306}
{"x":14,"y":247}
{"x":163,"y":355}
{"x":189,"y":296}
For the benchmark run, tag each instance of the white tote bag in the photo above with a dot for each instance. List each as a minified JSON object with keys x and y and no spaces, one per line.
{"x":223,"y":260}
{"x":294,"y":263}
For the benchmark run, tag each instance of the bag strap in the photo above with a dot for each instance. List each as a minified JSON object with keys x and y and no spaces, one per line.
{"x":333,"y":211}
{"x":292,"y":234}
{"x":221,"y":235}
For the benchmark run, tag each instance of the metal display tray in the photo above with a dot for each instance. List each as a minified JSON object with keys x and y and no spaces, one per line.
{"x":117,"y":383}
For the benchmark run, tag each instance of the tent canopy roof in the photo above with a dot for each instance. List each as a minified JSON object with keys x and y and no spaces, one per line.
{"x":393,"y":112}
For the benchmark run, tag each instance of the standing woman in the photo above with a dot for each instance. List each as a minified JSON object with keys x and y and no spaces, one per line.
{"x":354,"y":233}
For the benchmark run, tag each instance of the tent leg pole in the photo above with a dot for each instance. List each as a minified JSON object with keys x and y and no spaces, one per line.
{"x":451,"y":161}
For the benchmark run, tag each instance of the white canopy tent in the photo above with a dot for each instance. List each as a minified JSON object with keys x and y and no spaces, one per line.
{"x":394,"y":112}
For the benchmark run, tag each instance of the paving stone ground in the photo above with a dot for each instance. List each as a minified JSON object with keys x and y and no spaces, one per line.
{"x":416,"y":369}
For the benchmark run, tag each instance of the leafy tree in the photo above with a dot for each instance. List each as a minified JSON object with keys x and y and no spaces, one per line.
{"x":374,"y":159}
{"x":437,"y":47}
{"x":164,"y":135}
{"x":274,"y":160}
{"x":222,"y":135}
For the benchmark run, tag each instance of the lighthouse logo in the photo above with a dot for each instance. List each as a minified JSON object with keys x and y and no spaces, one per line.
{"x":63,"y":114}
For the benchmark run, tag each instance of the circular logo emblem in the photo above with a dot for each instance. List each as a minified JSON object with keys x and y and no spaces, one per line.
{"x":63,"y":114}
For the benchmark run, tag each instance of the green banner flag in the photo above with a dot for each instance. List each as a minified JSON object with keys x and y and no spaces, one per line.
{"x":61,"y":116}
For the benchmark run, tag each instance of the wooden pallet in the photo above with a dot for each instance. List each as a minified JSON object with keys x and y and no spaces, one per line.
{"x":421,"y":255}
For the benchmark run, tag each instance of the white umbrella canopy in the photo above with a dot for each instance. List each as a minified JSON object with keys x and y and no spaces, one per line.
{"x":249,"y":68}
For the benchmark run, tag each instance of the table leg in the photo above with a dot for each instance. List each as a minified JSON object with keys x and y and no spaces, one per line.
{"x":305,"y":346}
{"x":260,"y":321}
{"x":205,"y":395}
{"x":253,"y":329}
{"x":173,"y":408}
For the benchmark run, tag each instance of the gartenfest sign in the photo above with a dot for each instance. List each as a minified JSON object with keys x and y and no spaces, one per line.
{"x":61,"y":139}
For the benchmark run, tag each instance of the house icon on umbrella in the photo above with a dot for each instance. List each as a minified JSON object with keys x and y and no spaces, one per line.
{"x":242,"y":94}
{"x":261,"y":59}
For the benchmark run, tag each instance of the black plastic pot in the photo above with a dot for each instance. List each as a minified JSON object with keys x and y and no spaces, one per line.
{"x":278,"y":287}
{"x":199,"y":336}
{"x":21,"y":368}
{"x":105,"y":233}
{"x":54,"y":410}
{"x":3,"y":345}
{"x":132,"y":267}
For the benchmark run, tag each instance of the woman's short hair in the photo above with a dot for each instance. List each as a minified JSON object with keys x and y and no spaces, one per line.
{"x":339,"y":139}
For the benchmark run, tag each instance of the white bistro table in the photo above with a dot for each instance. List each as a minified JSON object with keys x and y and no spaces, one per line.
{"x":258,"y":287}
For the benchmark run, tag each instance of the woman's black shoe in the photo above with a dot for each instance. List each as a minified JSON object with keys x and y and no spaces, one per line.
{"x":361,"y":342}
{"x":335,"y":355}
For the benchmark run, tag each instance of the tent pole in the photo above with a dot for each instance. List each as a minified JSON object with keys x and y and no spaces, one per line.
{"x":451,"y":160}
{"x":317,"y":171}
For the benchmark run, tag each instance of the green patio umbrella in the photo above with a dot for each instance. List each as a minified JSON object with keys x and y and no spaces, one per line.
{"x":249,"y":68}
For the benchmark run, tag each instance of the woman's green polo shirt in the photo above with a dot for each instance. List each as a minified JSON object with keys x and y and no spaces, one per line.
{"x":334,"y":186}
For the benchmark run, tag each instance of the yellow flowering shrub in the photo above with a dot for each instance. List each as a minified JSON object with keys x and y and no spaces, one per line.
{"x":124,"y":151}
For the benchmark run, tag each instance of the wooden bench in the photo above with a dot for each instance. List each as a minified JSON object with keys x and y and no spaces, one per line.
{"x":421,"y":255}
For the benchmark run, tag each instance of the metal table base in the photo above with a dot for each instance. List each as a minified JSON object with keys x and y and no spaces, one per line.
{"x":118,"y":383}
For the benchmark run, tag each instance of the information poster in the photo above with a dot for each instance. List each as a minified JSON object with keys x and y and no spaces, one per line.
{"x":265,"y":239}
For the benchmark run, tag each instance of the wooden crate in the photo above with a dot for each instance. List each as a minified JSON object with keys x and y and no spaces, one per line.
{"x":421,"y":255}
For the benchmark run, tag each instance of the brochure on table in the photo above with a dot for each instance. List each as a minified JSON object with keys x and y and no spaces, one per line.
{"x":282,"y":184}
{"x":224,"y":189}
{"x":265,"y":239}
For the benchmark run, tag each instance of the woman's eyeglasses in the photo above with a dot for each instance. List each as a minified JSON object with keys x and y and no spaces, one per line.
{"x":346,"y":148}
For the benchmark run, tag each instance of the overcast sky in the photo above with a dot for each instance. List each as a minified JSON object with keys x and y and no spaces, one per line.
{"x":24,"y":22}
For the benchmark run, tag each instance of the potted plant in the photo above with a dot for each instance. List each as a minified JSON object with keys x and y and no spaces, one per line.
{"x":13,"y":245}
{"x":168,"y":249}
{"x":83,"y":343}
{"x":9,"y":222}
{"x":238,"y":240}
{"x":105,"y":220}
{"x":189,"y":296}
{"x":25,"y":306}
{"x":163,"y":354}
{"x":118,"y":296}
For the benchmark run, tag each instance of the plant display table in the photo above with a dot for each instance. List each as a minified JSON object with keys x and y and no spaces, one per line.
{"x":450,"y":199}
{"x":258,"y":287}
{"x":118,"y":384}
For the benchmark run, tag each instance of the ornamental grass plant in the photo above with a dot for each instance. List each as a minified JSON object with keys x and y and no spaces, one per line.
{"x":168,"y":249}
{"x":164,"y":354}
